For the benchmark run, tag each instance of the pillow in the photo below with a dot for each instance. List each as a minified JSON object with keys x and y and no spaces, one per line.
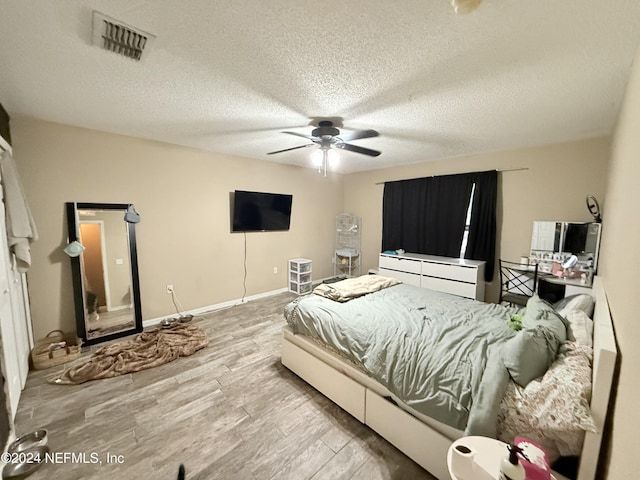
{"x":581,"y":327}
{"x":529,"y":354}
{"x":580,"y":301}
{"x":540,"y":313}
{"x":553,"y":410}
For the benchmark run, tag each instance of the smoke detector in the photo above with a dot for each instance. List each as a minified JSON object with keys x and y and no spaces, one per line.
{"x":120,"y":38}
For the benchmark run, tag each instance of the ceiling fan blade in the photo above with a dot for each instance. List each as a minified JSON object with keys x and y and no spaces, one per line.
{"x":357,"y":149}
{"x":347,"y":137}
{"x":308,"y":137}
{"x":293,"y":148}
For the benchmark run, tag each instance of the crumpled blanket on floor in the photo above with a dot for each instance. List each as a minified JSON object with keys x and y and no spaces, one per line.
{"x":146,"y":350}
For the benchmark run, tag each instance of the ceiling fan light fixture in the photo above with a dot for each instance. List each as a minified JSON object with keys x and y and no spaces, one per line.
{"x":323,"y":158}
{"x":316,"y":158}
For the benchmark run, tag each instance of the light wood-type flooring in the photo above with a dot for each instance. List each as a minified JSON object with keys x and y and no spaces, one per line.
{"x":230,"y":411}
{"x":110,"y":322}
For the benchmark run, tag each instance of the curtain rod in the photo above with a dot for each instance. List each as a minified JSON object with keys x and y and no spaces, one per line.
{"x":461,"y":173}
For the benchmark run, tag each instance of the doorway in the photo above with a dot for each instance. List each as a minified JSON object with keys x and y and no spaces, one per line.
{"x":93,"y":258}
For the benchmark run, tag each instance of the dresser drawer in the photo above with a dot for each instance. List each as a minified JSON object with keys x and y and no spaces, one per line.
{"x":404,"y":277}
{"x":400,"y":264}
{"x":452,"y":272}
{"x":449,"y":286}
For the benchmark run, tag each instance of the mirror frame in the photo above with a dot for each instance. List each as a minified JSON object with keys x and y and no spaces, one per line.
{"x":76,"y":271}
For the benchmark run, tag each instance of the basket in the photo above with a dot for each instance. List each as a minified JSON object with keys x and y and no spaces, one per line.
{"x":55,"y":349}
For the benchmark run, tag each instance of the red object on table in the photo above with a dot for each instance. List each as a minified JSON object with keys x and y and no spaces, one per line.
{"x":537,"y":467}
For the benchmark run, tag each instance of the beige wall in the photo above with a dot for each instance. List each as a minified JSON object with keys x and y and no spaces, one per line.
{"x":553,"y":186}
{"x":183,"y":196}
{"x":620,"y":256}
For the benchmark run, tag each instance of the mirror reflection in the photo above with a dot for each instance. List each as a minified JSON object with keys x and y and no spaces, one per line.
{"x":105,"y":273}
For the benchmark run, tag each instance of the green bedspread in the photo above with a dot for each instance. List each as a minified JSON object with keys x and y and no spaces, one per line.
{"x":430,"y":349}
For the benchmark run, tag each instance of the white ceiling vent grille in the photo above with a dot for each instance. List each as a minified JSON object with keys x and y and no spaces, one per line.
{"x":113,"y":35}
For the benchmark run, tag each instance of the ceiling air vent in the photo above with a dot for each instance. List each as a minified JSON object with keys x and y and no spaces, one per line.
{"x":113,"y":35}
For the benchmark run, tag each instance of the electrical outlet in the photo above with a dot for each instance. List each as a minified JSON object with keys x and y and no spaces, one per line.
{"x":169,"y":289}
{"x":275,"y":269}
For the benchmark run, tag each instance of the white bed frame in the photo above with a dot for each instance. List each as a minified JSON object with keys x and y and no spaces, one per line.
{"x":425,"y":441}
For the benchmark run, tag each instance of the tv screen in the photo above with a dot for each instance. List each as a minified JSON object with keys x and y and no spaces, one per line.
{"x":260,"y":212}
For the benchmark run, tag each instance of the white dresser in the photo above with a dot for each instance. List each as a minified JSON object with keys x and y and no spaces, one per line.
{"x":445,"y":274}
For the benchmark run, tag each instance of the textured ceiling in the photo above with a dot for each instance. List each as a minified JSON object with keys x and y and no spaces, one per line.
{"x":230,"y":75}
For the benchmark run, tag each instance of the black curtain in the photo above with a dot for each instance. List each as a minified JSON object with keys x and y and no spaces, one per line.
{"x":5,"y":132}
{"x":481,"y":242}
{"x":426,"y":215}
{"x":403,"y":211}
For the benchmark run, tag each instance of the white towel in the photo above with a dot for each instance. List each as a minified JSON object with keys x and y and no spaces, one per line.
{"x":21,"y":229}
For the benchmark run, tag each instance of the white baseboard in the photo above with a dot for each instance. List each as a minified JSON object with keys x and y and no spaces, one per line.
{"x":210,"y":308}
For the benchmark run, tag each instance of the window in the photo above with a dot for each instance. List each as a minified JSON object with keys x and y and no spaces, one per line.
{"x":467,"y":223}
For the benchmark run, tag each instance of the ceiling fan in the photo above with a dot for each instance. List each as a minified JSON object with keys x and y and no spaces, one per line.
{"x":327,"y":136}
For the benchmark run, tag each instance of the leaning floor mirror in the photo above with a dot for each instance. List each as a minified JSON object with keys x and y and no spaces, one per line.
{"x":104,"y":264}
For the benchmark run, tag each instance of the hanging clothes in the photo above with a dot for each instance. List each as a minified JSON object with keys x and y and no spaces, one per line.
{"x":21,"y":229}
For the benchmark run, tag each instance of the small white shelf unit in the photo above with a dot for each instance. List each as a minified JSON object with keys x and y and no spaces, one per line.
{"x":346,"y":259}
{"x":300,"y":275}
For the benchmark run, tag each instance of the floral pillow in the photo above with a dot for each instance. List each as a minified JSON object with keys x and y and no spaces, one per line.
{"x":552,"y":410}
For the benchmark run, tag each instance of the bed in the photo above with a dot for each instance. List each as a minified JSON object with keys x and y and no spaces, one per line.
{"x":353,"y":365}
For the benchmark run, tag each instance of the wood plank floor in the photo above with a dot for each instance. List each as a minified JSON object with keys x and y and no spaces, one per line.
{"x":230,"y":411}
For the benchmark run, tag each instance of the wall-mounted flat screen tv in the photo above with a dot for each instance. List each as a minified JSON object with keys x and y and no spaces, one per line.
{"x":260,"y":212}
